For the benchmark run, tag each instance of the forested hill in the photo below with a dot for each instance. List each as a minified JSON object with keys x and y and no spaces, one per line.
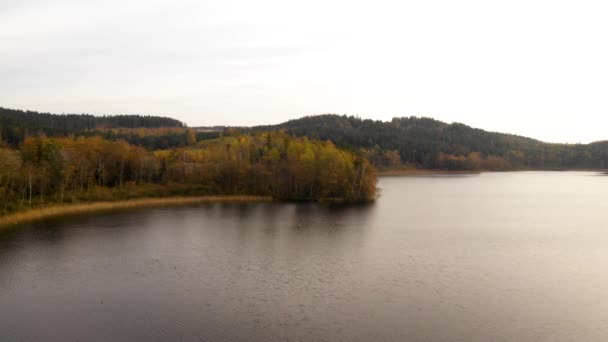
{"x":428,"y":143}
{"x":16,"y":124}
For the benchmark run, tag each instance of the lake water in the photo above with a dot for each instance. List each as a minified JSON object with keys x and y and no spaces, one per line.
{"x":491,"y":257}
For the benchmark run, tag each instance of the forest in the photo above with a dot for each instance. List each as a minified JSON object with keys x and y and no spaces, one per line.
{"x":15,"y":125}
{"x":72,"y":169}
{"x":430,"y":144}
{"x":151,"y":132}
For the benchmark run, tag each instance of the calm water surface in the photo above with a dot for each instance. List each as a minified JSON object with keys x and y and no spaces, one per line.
{"x":490,"y":257}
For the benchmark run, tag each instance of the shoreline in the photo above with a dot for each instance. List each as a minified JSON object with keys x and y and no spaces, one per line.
{"x":52,"y":211}
{"x":424,"y":172}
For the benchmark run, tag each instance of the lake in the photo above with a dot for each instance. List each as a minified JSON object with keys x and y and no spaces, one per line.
{"x":515,"y":256}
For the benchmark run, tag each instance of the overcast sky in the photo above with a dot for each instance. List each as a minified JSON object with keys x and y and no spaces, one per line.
{"x":535,"y":68}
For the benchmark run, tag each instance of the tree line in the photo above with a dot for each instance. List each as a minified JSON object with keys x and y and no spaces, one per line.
{"x":15,"y":125}
{"x":432,"y":144}
{"x":72,"y":169}
{"x":402,"y":142}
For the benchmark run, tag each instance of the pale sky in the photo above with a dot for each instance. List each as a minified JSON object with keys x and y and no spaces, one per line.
{"x":534,"y":68}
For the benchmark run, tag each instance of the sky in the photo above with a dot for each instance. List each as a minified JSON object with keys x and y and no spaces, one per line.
{"x":534,"y":68}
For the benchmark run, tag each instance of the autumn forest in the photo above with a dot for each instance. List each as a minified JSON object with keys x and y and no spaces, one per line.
{"x":43,"y":169}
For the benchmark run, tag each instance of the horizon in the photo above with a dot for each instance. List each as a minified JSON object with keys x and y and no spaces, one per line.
{"x":529,"y":68}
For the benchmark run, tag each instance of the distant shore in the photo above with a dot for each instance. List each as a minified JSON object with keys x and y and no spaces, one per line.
{"x":421,"y":172}
{"x":36,"y":214}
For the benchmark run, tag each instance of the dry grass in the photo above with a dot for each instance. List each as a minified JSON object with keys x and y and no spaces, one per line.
{"x":70,"y":209}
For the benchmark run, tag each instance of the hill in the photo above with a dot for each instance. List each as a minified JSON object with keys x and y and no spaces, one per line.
{"x":432,"y":144}
{"x":16,"y":124}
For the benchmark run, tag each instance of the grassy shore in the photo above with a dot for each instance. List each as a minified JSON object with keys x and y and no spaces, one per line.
{"x":71,"y":209}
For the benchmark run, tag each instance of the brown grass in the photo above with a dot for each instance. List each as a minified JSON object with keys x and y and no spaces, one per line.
{"x":71,"y":209}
